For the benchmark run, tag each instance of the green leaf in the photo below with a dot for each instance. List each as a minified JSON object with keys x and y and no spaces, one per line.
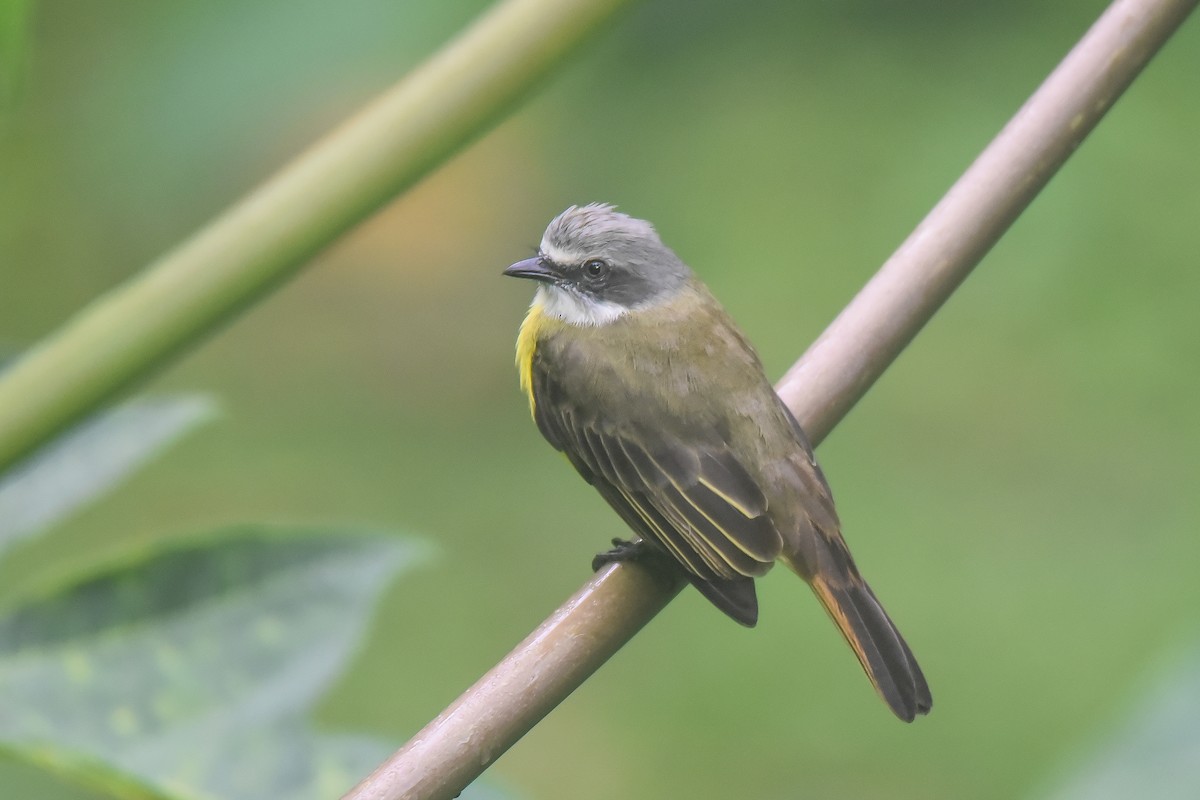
{"x":1154,"y":754}
{"x":289,"y":760}
{"x":174,"y":668}
{"x":89,"y":460}
{"x":285,"y":759}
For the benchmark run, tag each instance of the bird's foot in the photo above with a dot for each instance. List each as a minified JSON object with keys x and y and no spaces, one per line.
{"x":622,"y":550}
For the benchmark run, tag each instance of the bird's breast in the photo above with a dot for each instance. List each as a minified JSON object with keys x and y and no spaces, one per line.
{"x":682,"y":366}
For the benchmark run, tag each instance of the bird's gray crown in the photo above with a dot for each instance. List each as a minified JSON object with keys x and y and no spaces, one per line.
{"x":641,"y":269}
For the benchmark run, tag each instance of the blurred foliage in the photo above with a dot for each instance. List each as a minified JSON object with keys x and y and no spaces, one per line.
{"x":185,"y":671}
{"x":89,"y":460}
{"x":1018,"y":488}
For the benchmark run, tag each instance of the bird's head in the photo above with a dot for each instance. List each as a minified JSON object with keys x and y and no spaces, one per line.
{"x":596,"y":264}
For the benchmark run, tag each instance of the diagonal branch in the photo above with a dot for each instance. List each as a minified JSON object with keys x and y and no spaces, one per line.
{"x":579,"y":637}
{"x":888,"y":312}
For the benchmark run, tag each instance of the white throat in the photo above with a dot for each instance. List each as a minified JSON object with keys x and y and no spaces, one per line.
{"x":576,"y":309}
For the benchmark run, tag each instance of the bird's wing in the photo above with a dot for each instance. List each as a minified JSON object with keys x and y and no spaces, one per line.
{"x":735,"y":597}
{"x":688,"y":495}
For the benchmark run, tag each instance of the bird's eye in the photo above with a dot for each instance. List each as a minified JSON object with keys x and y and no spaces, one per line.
{"x":595,"y":268}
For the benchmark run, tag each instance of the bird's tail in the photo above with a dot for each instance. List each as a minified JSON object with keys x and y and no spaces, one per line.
{"x":872,"y":635}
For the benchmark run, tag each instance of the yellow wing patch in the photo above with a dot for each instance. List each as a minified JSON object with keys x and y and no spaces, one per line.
{"x":526,"y":345}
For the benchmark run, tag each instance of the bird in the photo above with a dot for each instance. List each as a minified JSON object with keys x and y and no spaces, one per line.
{"x":637,"y":374}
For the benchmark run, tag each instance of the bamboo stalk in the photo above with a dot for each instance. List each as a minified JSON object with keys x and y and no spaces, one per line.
{"x":121,"y":337}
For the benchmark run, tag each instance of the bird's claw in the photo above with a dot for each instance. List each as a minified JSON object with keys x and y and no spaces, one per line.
{"x":622,"y":550}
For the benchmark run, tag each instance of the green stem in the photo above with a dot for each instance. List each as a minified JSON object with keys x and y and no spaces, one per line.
{"x":124,"y":335}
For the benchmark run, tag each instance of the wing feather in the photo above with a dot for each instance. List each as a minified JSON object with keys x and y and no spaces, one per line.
{"x":727,"y":559}
{"x":662,"y":531}
{"x":730,"y":480}
{"x":684,"y":491}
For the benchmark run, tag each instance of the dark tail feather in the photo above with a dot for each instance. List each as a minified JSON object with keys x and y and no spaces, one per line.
{"x":880,"y":648}
{"x":736,"y":598}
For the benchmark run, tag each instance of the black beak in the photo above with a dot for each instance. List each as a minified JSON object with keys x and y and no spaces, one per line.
{"x":536,"y":268}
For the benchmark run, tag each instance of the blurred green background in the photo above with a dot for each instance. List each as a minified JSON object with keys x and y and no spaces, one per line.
{"x":1019,"y":488}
